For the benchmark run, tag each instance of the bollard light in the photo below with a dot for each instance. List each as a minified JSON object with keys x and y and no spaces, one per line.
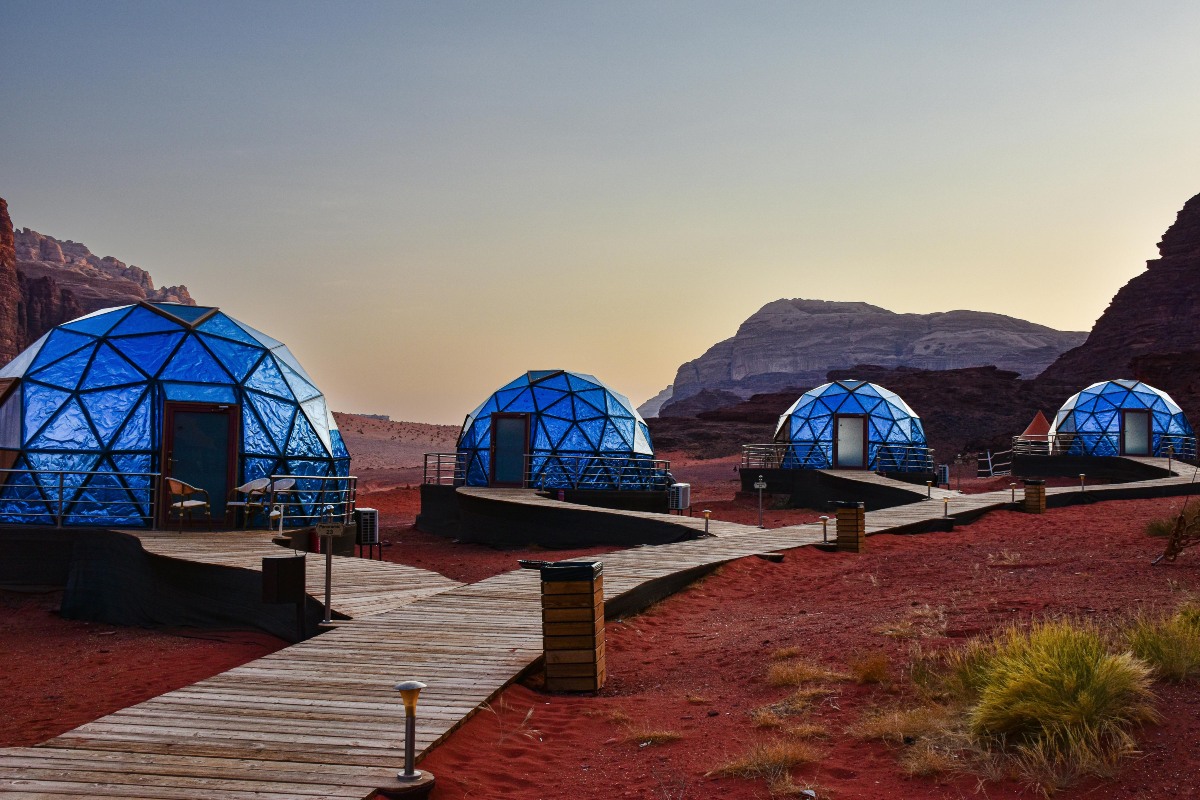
{"x":409,"y":691}
{"x":929,"y":488}
{"x":1013,"y":488}
{"x":945,"y":506}
{"x":706,"y":514}
{"x":1081,"y":477}
{"x":825,"y":529}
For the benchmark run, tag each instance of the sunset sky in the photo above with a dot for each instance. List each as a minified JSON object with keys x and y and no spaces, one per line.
{"x":426,"y":199}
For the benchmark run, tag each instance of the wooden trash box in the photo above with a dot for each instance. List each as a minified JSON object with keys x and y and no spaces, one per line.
{"x":1035,"y":497}
{"x":851,"y":527}
{"x":573,"y":625}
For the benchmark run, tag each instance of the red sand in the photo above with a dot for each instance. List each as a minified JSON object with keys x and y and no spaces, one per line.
{"x":714,"y":640}
{"x":712,"y":643}
{"x":60,"y":673}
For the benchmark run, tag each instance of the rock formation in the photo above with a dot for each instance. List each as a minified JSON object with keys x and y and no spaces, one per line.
{"x":1151,"y":329}
{"x":45,"y":282}
{"x":791,"y":343}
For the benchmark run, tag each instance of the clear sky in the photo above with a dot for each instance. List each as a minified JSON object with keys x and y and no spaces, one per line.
{"x":427,"y":199}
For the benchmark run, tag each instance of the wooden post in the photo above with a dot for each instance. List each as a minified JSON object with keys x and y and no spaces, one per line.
{"x":1035,"y":497}
{"x":851,"y":527}
{"x":573,"y":625}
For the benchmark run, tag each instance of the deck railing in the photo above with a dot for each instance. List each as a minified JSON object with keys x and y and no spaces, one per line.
{"x":889,"y":457}
{"x":78,"y":497}
{"x":312,"y":499}
{"x":1174,"y":445}
{"x":553,"y":471}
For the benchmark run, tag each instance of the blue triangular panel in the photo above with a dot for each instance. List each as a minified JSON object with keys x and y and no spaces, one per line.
{"x":142,"y":320}
{"x":221,"y":325}
{"x":239,"y":359}
{"x":267,"y":378}
{"x":64,"y":373}
{"x":136,"y":433}
{"x":191,"y":362}
{"x":69,"y":430}
{"x":40,"y":404}
{"x":109,"y":368}
{"x":276,"y":417}
{"x":98,"y":323}
{"x":147,"y":352}
{"x":109,"y":408}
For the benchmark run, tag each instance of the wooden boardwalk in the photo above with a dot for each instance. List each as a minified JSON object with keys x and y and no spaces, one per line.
{"x":320,"y":719}
{"x":361,"y":587}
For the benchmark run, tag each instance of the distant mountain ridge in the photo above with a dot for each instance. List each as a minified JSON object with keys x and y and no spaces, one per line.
{"x":45,"y":282}
{"x":789,"y":343}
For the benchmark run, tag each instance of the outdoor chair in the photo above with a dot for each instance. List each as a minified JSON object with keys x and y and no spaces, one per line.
{"x":248,"y":498}
{"x":184,"y":502}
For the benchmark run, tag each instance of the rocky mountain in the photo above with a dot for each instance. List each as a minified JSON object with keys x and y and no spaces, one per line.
{"x":1151,"y":329}
{"x":793,"y":343}
{"x":46,"y":281}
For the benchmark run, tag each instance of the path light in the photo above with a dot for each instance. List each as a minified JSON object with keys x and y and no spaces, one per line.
{"x":1013,"y":488}
{"x":929,"y":488}
{"x":825,"y":529}
{"x":1081,"y":477}
{"x":409,"y":690}
{"x":945,"y":506}
{"x":706,"y":514}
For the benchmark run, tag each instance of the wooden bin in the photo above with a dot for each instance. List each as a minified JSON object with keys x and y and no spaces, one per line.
{"x":573,"y":625}
{"x":1035,"y":497}
{"x":851,"y":527}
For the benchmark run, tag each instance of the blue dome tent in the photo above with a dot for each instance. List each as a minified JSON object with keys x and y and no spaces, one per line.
{"x":554,"y":429}
{"x":850,"y":424}
{"x":103,"y":404}
{"x":1122,"y":417}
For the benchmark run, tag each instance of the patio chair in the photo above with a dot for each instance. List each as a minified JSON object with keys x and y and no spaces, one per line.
{"x":183,"y":501}
{"x":275,"y":498}
{"x":248,"y":497}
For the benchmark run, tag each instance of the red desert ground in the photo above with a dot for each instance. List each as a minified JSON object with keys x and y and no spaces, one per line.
{"x":700,"y":681}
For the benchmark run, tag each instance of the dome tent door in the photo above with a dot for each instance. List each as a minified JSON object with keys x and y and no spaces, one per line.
{"x":510,"y":444}
{"x":200,"y":448}
{"x":1135,"y":432}
{"x":850,"y":446}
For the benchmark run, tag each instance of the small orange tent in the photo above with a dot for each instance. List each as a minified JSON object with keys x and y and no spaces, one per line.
{"x":1038,"y":430}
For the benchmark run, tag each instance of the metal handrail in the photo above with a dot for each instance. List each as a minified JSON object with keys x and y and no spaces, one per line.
{"x":889,"y":457}
{"x":597,"y":472}
{"x":445,"y":469}
{"x":312,"y":499}
{"x":61,"y":495}
{"x":563,"y":471}
{"x":1176,"y":445}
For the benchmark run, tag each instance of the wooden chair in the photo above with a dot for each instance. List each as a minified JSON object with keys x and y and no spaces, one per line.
{"x":187,"y":504}
{"x":248,"y":497}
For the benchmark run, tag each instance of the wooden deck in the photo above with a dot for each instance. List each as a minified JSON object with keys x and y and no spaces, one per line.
{"x":361,"y":587}
{"x":320,"y":718}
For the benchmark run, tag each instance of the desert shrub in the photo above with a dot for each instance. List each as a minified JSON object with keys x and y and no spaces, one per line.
{"x":902,"y":726}
{"x":644,"y":735}
{"x":869,"y":667}
{"x":1055,"y":699}
{"x":767,"y":758}
{"x":797,"y":673}
{"x":1171,"y":646}
{"x":1165,"y":526}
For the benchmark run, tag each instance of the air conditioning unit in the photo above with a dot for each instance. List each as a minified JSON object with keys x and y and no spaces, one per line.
{"x":366,"y":522}
{"x":679,"y":496}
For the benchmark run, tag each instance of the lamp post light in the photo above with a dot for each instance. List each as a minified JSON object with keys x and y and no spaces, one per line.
{"x":825,"y":529}
{"x":928,"y":489}
{"x":706,"y":514}
{"x":1012,"y":487}
{"x":945,"y":506}
{"x":760,"y":484}
{"x":409,"y":690}
{"x":1081,"y":485}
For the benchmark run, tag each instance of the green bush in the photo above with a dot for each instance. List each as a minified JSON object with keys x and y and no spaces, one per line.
{"x":1171,"y":646}
{"x":1054,"y":698}
{"x":1165,"y":526}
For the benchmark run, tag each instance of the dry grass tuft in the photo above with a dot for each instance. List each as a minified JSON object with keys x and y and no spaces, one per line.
{"x":644,"y":736}
{"x":1170,"y":646}
{"x":1165,"y":526}
{"x":697,"y":700}
{"x":618,"y":717}
{"x":807,"y":730}
{"x":926,"y":759}
{"x":798,"y":673}
{"x":765,"y":759}
{"x":780,"y":784}
{"x":903,"y":726}
{"x":918,"y":623}
{"x":786,"y":652}
{"x":802,"y":700}
{"x":766,"y":718}
{"x":869,"y":667}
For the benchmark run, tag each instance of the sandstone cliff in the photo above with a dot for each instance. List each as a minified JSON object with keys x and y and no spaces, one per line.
{"x":45,"y":282}
{"x":794,"y":343}
{"x":1151,"y":329}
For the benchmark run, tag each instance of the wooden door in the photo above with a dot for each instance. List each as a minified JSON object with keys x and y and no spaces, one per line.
{"x":200,"y":448}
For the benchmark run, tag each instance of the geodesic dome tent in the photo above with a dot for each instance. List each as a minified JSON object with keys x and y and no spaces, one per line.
{"x":1121,"y":417}
{"x":555,"y":429}
{"x":852,"y":424}
{"x":107,"y":400}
